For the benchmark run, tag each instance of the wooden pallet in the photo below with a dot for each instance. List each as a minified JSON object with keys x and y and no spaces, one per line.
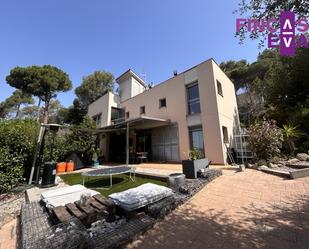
{"x":98,"y":208}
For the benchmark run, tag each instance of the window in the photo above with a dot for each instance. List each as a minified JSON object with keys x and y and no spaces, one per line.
{"x":117,"y":115}
{"x":127,"y":115}
{"x":196,"y":138}
{"x":193,"y":99}
{"x":97,"y":119}
{"x":219,"y":88}
{"x":162,"y":103}
{"x":225,"y":134}
{"x":142,"y":110}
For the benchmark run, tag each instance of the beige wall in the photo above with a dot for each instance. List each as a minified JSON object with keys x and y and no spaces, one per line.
{"x":209,"y":111}
{"x":103,"y":105}
{"x":216,"y":111}
{"x":227,"y":105}
{"x":125,"y":89}
{"x":130,"y":88}
{"x":174,"y":91}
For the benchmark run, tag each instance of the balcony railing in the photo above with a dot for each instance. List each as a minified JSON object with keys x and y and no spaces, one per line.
{"x":117,"y":120}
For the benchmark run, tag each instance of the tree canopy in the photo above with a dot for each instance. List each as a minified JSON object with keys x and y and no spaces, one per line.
{"x":94,"y":86}
{"x":274,"y":87}
{"x":41,"y":81}
{"x":14,"y":102}
{"x":265,"y":9}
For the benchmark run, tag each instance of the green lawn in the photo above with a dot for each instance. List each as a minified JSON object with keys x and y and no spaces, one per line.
{"x":120,"y":182}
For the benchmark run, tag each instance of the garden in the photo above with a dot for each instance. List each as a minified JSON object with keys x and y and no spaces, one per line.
{"x":120,"y":182}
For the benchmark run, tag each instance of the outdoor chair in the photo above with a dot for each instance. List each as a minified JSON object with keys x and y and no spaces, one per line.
{"x":142,"y":156}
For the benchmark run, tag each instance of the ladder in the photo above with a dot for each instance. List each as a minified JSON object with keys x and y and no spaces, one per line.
{"x":229,"y":154}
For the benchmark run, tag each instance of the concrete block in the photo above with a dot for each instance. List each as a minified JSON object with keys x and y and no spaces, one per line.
{"x":299,"y":173}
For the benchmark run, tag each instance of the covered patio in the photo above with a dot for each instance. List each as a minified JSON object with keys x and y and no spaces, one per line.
{"x":139,"y":140}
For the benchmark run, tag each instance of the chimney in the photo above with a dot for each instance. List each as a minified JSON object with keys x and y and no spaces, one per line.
{"x":175,"y":72}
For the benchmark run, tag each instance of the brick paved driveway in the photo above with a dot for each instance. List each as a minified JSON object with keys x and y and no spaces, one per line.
{"x":238,"y":210}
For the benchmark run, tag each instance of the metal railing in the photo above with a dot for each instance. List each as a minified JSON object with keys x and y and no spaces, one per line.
{"x":117,"y":120}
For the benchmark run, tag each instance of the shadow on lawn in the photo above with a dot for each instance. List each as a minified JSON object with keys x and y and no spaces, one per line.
{"x":282,"y":226}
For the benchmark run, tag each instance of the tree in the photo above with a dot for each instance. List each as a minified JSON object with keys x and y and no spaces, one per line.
{"x":31,"y":111}
{"x":54,"y":109}
{"x":237,"y":71}
{"x":287,"y":88}
{"x":94,"y":86}
{"x":14,"y":102}
{"x":248,"y":80}
{"x":41,"y":81}
{"x":265,"y":9}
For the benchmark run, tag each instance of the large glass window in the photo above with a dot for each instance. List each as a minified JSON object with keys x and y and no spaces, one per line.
{"x":117,"y":115}
{"x":193,"y":99}
{"x":196,"y":138}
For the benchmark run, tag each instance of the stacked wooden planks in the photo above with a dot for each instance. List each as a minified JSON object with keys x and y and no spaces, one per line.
{"x":98,"y":208}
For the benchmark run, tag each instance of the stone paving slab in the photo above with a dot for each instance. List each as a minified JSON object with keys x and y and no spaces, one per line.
{"x":247,"y":210}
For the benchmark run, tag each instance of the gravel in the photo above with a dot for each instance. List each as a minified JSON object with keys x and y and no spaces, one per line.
{"x":10,"y":206}
{"x":104,"y":227}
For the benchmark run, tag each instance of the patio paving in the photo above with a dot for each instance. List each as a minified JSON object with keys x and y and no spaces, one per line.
{"x":246,"y":210}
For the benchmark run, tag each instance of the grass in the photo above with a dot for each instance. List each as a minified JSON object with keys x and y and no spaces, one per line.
{"x":120,"y":182}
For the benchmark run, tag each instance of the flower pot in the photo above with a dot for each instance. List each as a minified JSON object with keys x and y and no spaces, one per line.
{"x":61,"y":167}
{"x":175,"y":180}
{"x":191,"y":167}
{"x":70,"y":166}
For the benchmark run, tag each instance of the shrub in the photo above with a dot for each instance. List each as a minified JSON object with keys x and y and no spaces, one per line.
{"x":290,"y":135}
{"x":18,"y":137}
{"x":265,"y":139}
{"x":195,"y":154}
{"x":11,"y":169}
{"x":82,"y":138}
{"x":79,"y":138}
{"x":18,"y":142}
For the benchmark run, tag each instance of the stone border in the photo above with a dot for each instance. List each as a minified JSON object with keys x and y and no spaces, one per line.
{"x":276,"y":172}
{"x":38,"y":231}
{"x":287,"y":174}
{"x":299,"y":173}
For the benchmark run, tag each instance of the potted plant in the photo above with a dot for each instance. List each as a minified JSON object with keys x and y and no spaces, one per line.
{"x":95,"y":161}
{"x":194,"y":164}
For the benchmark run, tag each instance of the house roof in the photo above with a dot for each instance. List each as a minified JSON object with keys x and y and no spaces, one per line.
{"x":129,"y":73}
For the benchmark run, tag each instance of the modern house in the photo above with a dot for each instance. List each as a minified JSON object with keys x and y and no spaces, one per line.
{"x":195,"y":108}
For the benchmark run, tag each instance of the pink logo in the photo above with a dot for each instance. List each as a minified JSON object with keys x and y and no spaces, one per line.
{"x":286,"y":40}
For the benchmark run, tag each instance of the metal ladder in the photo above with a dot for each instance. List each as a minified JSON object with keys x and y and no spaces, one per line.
{"x":229,"y":154}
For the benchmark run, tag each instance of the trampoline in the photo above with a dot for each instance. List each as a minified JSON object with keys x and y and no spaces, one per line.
{"x":110,"y":172}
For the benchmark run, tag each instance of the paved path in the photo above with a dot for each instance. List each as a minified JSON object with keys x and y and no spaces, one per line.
{"x":8,"y":234}
{"x":246,"y":210}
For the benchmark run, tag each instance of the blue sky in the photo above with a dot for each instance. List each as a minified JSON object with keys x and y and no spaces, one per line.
{"x":153,"y":37}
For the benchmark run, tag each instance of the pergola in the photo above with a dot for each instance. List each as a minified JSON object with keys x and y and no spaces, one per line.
{"x":139,"y":123}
